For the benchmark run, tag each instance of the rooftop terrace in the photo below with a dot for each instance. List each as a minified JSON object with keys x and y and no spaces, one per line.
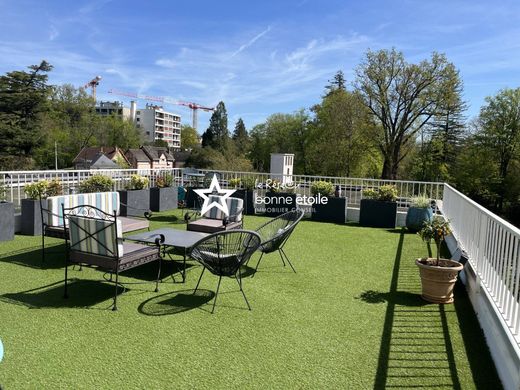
{"x":351,"y":317}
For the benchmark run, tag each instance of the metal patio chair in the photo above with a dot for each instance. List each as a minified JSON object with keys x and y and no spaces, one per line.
{"x":223,"y":254}
{"x":95,"y":238}
{"x":275,"y":234}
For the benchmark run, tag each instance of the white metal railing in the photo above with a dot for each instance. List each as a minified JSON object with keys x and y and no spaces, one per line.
{"x":493,"y":246}
{"x":16,"y":181}
{"x":352,"y":188}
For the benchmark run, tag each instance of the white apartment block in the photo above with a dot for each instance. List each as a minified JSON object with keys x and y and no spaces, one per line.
{"x":156,"y":123}
{"x":113,"y":108}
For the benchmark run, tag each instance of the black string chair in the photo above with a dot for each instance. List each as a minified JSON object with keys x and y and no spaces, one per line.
{"x":95,"y":238}
{"x":223,"y":254}
{"x":276,"y":232}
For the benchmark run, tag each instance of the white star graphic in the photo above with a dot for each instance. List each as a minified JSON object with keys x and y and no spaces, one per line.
{"x":214,"y":188}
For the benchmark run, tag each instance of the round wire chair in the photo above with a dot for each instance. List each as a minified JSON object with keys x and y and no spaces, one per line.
{"x":223,"y":254}
{"x":276,"y":232}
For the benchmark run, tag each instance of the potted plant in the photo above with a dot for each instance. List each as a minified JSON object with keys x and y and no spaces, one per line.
{"x":379,"y":207}
{"x":245,"y":189}
{"x":31,"y":209}
{"x":279,"y":198}
{"x":6,"y":216}
{"x":96,"y":183}
{"x":164,"y":196}
{"x":438,"y":276}
{"x":419,"y":212}
{"x":135,"y":200}
{"x":327,"y":208}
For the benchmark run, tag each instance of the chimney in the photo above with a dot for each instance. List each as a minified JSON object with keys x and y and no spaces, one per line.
{"x":133,"y":109}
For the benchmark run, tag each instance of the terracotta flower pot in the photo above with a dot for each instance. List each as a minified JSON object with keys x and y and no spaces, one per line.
{"x":438,"y":281}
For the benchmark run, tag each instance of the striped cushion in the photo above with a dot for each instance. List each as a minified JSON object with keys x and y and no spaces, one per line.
{"x":105,"y":201}
{"x":103,"y":241}
{"x":234,"y":205}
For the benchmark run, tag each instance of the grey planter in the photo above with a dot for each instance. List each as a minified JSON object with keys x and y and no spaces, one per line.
{"x":162,"y":199}
{"x":334,"y":211}
{"x":376,"y":213}
{"x":134,"y":203}
{"x":31,"y":217}
{"x":249,"y":200}
{"x":6,"y":221}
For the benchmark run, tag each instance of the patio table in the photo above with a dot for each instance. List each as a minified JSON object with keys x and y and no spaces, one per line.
{"x":179,"y":240}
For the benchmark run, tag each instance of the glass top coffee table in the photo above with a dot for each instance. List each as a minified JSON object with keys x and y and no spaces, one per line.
{"x":180,"y":240}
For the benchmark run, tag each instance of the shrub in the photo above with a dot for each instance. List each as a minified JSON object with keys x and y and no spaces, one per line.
{"x":138,"y":182}
{"x":235,"y":182}
{"x":388,"y":193}
{"x":248,"y":183}
{"x":322,"y":187}
{"x":420,"y":201}
{"x":3,"y":192}
{"x":37,"y":190}
{"x":54,"y":188}
{"x":97,"y":183}
{"x":164,"y":180}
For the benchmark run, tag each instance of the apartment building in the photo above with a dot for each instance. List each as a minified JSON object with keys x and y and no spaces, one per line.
{"x":116,"y":108}
{"x":156,"y":123}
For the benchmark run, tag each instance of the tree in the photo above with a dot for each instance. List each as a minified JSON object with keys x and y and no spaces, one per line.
{"x":240,"y":137}
{"x":23,"y":99}
{"x":159,"y":143}
{"x":403,"y":97}
{"x":499,"y":123}
{"x":338,"y":83}
{"x":189,"y":138}
{"x":340,"y":144}
{"x":217,"y":134}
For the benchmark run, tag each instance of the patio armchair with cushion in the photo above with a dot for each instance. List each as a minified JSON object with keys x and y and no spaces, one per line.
{"x":214,"y":220}
{"x":223,"y":254}
{"x":95,"y":238}
{"x":54,"y":224}
{"x":275,"y":234}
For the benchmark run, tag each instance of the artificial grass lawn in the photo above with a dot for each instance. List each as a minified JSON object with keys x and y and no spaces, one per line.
{"x":351,"y":317}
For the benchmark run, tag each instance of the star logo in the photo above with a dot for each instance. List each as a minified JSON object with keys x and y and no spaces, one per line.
{"x":214,"y":188}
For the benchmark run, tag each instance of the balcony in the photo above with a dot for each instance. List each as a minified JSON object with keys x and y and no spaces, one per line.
{"x":351,"y":317}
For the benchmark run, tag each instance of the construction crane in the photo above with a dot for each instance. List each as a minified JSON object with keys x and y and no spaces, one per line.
{"x":93,"y":85}
{"x":194,"y":107}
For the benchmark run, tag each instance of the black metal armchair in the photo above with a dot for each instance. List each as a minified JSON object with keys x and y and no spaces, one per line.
{"x":223,"y":254}
{"x":276,"y":232}
{"x":95,"y":238}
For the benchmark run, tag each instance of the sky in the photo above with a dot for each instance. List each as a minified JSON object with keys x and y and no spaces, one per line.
{"x":259,"y":57}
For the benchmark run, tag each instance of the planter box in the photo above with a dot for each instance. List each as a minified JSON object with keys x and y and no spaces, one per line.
{"x":7,"y":221}
{"x":162,"y":199}
{"x":249,"y":200}
{"x":375,"y":213}
{"x":138,"y":202}
{"x":278,"y":203}
{"x":334,"y":211}
{"x":31,"y":217}
{"x":416,"y":216}
{"x":190,"y":199}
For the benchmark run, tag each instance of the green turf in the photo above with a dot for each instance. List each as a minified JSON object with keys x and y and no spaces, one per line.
{"x":350,"y":318}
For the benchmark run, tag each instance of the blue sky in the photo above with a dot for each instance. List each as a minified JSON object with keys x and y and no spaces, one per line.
{"x":258,"y":57}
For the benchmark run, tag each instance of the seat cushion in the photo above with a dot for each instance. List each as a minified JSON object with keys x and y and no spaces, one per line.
{"x":131,"y":224}
{"x":206,"y":225}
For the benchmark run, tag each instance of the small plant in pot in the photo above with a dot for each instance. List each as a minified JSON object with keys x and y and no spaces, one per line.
{"x":419,"y":212}
{"x":379,"y":207}
{"x":438,"y":276}
{"x":31,"y":206}
{"x":327,"y":208}
{"x":96,"y":183}
{"x":135,"y":200}
{"x":164,"y":196}
{"x":6,"y":215}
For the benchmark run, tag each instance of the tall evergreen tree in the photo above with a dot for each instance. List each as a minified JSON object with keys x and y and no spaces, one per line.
{"x":23,"y":98}
{"x":217,"y":134}
{"x":240,"y":137}
{"x":338,"y":83}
